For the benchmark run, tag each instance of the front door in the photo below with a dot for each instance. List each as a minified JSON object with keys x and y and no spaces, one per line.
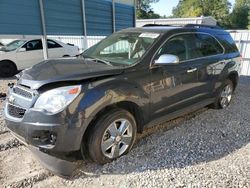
{"x":32,"y":55}
{"x":174,"y":86}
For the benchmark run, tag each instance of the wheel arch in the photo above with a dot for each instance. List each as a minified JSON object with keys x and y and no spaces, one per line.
{"x":234,"y":77}
{"x":131,"y":107}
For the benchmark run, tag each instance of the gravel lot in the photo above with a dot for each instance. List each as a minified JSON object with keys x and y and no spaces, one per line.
{"x":208,"y":148}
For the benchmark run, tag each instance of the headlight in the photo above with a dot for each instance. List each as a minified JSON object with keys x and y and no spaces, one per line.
{"x":56,"y":100}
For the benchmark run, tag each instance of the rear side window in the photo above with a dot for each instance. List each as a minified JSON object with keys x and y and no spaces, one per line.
{"x":227,"y":41}
{"x":202,"y":45}
{"x":53,"y":44}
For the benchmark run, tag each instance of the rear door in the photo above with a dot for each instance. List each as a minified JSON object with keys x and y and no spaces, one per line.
{"x":55,"y":50}
{"x":192,"y":80}
{"x":206,"y":54}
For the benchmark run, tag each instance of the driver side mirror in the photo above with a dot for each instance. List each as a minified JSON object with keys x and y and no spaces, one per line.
{"x":22,"y":50}
{"x":167,"y":59}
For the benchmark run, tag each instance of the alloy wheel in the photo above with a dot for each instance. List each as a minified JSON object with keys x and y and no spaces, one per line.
{"x":226,"y":96}
{"x":117,"y":138}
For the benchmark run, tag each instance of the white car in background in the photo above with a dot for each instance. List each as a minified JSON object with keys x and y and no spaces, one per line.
{"x":1,"y":45}
{"x":22,"y":54}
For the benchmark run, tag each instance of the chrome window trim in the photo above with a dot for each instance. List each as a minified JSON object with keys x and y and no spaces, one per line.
{"x":183,"y":33}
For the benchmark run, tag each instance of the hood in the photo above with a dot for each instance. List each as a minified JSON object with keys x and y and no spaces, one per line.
{"x":58,"y":70}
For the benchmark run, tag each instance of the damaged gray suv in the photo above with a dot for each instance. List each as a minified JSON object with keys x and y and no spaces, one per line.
{"x":97,"y":103}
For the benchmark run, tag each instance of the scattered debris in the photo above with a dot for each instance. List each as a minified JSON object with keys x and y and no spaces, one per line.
{"x":10,"y":144}
{"x":3,"y":96}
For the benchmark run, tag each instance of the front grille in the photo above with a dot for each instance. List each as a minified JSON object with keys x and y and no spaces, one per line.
{"x":15,"y":111}
{"x":22,"y":92}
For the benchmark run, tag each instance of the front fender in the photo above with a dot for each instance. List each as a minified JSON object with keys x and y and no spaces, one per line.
{"x":108,"y":92}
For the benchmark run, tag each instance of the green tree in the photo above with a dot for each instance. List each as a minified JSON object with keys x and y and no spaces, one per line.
{"x":248,"y":20}
{"x":144,"y":10}
{"x":219,"y":9}
{"x":240,"y":15}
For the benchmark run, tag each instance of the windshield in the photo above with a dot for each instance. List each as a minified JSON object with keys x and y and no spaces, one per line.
{"x":121,"y":48}
{"x":13,"y":45}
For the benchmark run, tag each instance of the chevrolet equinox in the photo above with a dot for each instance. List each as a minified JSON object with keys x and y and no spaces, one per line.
{"x":96,"y":103}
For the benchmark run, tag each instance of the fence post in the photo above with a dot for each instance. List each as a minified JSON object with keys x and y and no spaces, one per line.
{"x":135,"y":16}
{"x":113,"y":16}
{"x":85,"y":43}
{"x":44,"y":36}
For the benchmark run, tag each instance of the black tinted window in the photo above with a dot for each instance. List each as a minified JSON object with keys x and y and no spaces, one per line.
{"x":201,"y":45}
{"x":191,"y":46}
{"x":33,"y":45}
{"x":53,"y":44}
{"x":228,"y":43}
{"x":175,"y":46}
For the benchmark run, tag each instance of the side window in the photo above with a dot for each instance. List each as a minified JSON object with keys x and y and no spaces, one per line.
{"x":53,"y":44}
{"x":175,"y":46}
{"x":201,"y":45}
{"x":33,"y":45}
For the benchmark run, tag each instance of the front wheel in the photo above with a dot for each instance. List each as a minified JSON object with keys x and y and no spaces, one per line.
{"x":7,"y":69}
{"x":112,"y":136}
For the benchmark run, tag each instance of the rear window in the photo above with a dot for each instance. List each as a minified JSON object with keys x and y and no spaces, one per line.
{"x":227,"y":41}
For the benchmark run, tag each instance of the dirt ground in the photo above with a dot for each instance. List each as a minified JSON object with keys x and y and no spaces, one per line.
{"x":208,"y":148}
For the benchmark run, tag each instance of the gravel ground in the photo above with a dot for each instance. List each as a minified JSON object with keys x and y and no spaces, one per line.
{"x":208,"y":148}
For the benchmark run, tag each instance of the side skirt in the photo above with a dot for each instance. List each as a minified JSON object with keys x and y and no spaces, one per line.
{"x":179,"y":113}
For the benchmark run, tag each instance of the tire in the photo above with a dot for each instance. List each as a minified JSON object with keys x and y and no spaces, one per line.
{"x":108,"y":140}
{"x":224,"y":96}
{"x":7,"y":69}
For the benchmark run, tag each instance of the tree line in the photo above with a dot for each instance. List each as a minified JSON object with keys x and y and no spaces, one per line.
{"x":238,"y":18}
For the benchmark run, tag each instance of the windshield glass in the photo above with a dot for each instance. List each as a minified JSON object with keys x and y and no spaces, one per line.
{"x":13,"y":45}
{"x":122,"y":48}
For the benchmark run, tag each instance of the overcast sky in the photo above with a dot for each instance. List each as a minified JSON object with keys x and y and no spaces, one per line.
{"x":164,"y":7}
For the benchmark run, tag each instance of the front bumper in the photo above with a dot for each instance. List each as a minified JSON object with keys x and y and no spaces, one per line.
{"x":52,"y":133}
{"x":36,"y":129}
{"x":56,"y":165}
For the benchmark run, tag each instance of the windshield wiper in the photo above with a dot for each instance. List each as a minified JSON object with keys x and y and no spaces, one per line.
{"x":97,"y":60}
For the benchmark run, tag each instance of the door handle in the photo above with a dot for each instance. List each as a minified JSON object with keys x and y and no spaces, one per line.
{"x":191,"y":70}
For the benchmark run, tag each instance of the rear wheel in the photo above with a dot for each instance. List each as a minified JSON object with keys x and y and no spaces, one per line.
{"x":7,"y":69}
{"x":225,"y":95}
{"x":112,"y":136}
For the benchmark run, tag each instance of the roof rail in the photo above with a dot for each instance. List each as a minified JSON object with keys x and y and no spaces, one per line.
{"x":202,"y":26}
{"x":155,"y":25}
{"x":184,"y":25}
